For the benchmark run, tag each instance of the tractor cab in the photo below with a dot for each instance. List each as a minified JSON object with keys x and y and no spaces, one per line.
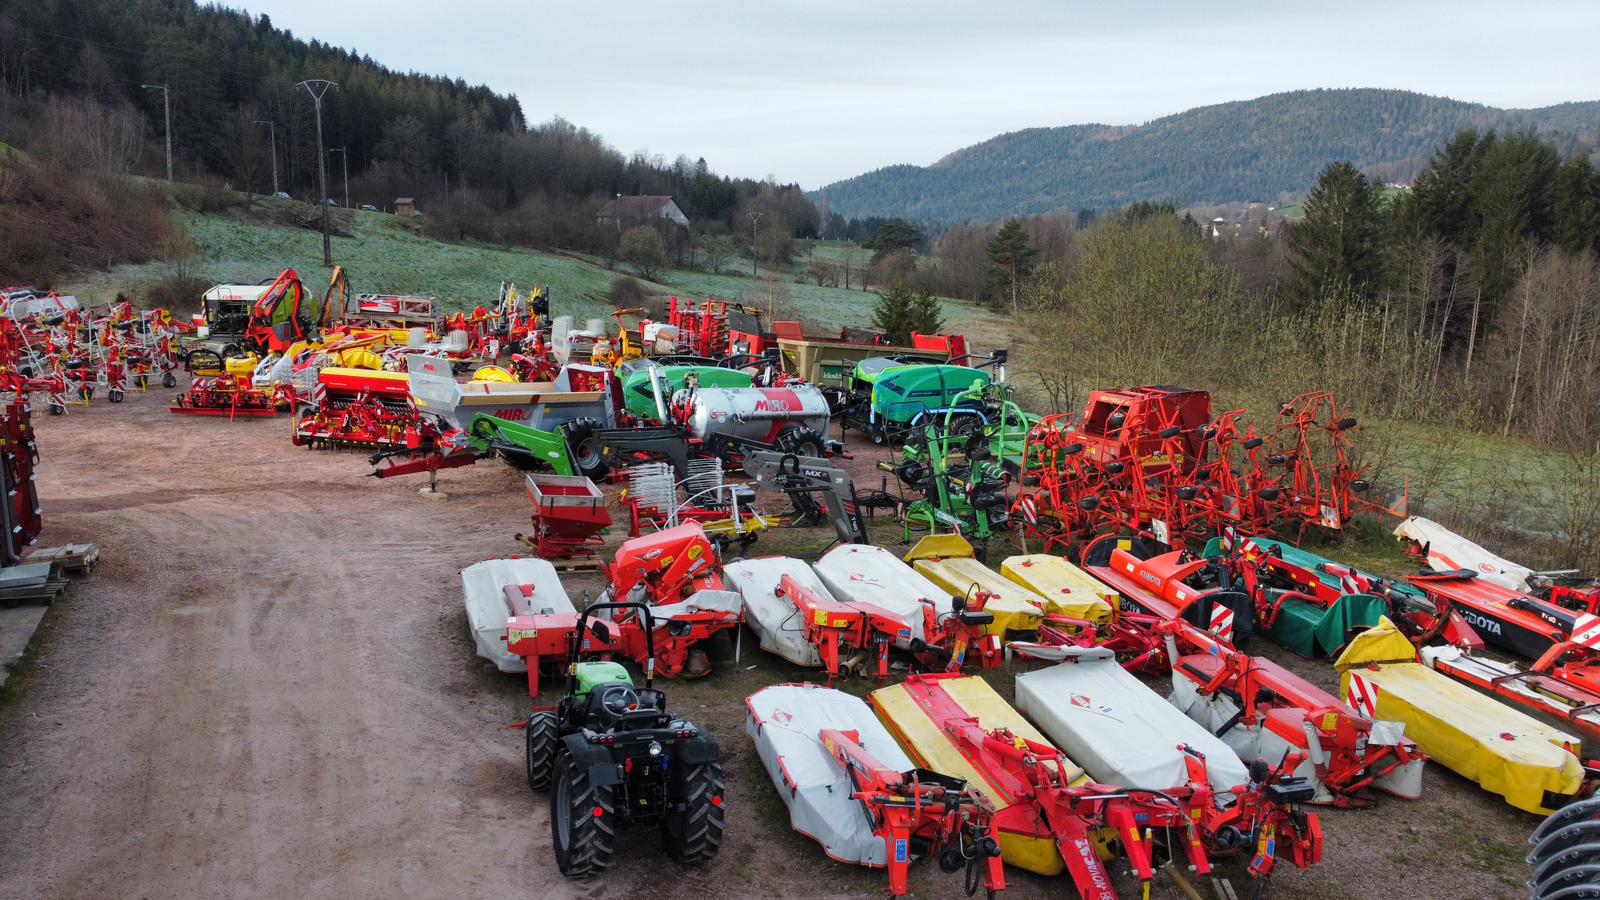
{"x":606,"y":699}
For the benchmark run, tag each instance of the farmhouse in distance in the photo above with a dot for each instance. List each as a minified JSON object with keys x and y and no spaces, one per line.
{"x":626,"y":212}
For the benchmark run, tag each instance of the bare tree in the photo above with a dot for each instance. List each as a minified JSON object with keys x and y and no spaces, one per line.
{"x":83,"y":134}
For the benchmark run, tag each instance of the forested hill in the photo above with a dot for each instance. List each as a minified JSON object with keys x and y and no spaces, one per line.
{"x":217,"y":61}
{"x":1246,"y":150}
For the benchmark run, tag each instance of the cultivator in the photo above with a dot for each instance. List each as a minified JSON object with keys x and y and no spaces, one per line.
{"x":1154,"y":462}
{"x":227,"y":390}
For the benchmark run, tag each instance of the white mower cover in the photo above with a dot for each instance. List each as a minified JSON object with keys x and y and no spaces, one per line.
{"x":784,"y":720}
{"x":1261,"y":742}
{"x":1448,"y":551}
{"x":725,"y":602}
{"x":775,"y":620}
{"x":1120,"y":731}
{"x":862,"y":573}
{"x":487,"y":609}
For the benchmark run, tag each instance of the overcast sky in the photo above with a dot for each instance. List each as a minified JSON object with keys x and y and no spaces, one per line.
{"x":822,"y":90}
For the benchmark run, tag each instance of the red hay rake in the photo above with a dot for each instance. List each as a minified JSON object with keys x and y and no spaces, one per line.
{"x":1153,"y":461}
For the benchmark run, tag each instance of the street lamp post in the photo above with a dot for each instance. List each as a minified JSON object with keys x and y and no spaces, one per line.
{"x":272,"y":133}
{"x":166,"y":109}
{"x":345,"y":159}
{"x":317,"y":87}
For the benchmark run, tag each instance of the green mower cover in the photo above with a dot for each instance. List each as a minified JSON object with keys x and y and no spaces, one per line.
{"x":1308,"y":629}
{"x":594,"y":674}
{"x":1305,"y":627}
{"x":641,"y":399}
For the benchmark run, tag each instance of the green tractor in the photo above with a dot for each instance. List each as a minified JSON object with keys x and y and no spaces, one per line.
{"x":611,"y":755}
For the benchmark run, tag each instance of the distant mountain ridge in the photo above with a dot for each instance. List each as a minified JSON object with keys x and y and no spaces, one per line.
{"x":1242,"y":150}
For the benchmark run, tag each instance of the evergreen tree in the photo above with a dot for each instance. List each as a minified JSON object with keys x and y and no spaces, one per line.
{"x":1336,"y":244}
{"x":902,"y":310}
{"x":1575,"y":206}
{"x":1010,"y":260}
{"x":893,"y":235}
{"x":1511,"y":200}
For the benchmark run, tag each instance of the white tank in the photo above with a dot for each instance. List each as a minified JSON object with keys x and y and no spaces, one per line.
{"x":752,"y":412}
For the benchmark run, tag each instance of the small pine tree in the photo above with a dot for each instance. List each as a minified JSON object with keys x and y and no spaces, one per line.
{"x":902,"y":310}
{"x":1010,"y":260}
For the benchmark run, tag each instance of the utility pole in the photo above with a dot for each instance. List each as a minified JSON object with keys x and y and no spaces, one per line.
{"x":344,"y":158}
{"x":272,"y":133}
{"x":317,"y":87}
{"x":166,"y":108}
{"x":755,"y":246}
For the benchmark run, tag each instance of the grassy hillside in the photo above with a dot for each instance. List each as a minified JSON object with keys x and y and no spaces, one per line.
{"x":1247,"y":150}
{"x":385,"y":255}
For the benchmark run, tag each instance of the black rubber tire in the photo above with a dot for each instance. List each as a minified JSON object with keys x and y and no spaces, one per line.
{"x":799,"y":440}
{"x":583,"y":441}
{"x":169,"y":380}
{"x":142,"y":382}
{"x":583,"y":841}
{"x":57,"y":409}
{"x":694,"y":836}
{"x":115,"y":395}
{"x":541,"y":750}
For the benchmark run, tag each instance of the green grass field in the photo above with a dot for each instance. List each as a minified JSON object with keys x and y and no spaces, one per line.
{"x":386,"y":255}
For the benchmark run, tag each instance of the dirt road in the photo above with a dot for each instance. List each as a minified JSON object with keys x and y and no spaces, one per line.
{"x":266,"y":690}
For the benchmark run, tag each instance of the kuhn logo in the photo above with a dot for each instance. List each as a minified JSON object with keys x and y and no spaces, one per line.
{"x":772,"y":406}
{"x":1481,"y":622}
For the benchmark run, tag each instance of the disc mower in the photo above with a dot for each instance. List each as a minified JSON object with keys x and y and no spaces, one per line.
{"x":612,"y":756}
{"x":849,"y":786}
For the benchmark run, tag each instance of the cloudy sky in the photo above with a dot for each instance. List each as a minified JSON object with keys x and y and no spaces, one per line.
{"x":825,"y":89}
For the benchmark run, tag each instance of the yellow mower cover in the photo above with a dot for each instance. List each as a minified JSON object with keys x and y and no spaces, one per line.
{"x":1069,"y":590}
{"x":1505,"y":751}
{"x":921,"y":738}
{"x":947,"y":560}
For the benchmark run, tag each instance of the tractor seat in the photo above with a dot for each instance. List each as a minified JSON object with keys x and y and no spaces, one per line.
{"x":975,"y":617}
{"x":73,"y":365}
{"x":620,"y":707}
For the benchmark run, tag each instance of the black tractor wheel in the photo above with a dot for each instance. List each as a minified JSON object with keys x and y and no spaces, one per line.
{"x":57,"y":409}
{"x":799,"y":440}
{"x":115,"y":395}
{"x":542,"y":742}
{"x":588,"y":454}
{"x":169,"y":380}
{"x":583,"y":823}
{"x":693,"y":835}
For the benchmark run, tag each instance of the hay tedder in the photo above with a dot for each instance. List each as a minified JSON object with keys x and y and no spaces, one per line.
{"x":1154,"y":461}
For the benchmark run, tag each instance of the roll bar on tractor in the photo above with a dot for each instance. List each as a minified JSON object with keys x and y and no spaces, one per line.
{"x":602,"y":631}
